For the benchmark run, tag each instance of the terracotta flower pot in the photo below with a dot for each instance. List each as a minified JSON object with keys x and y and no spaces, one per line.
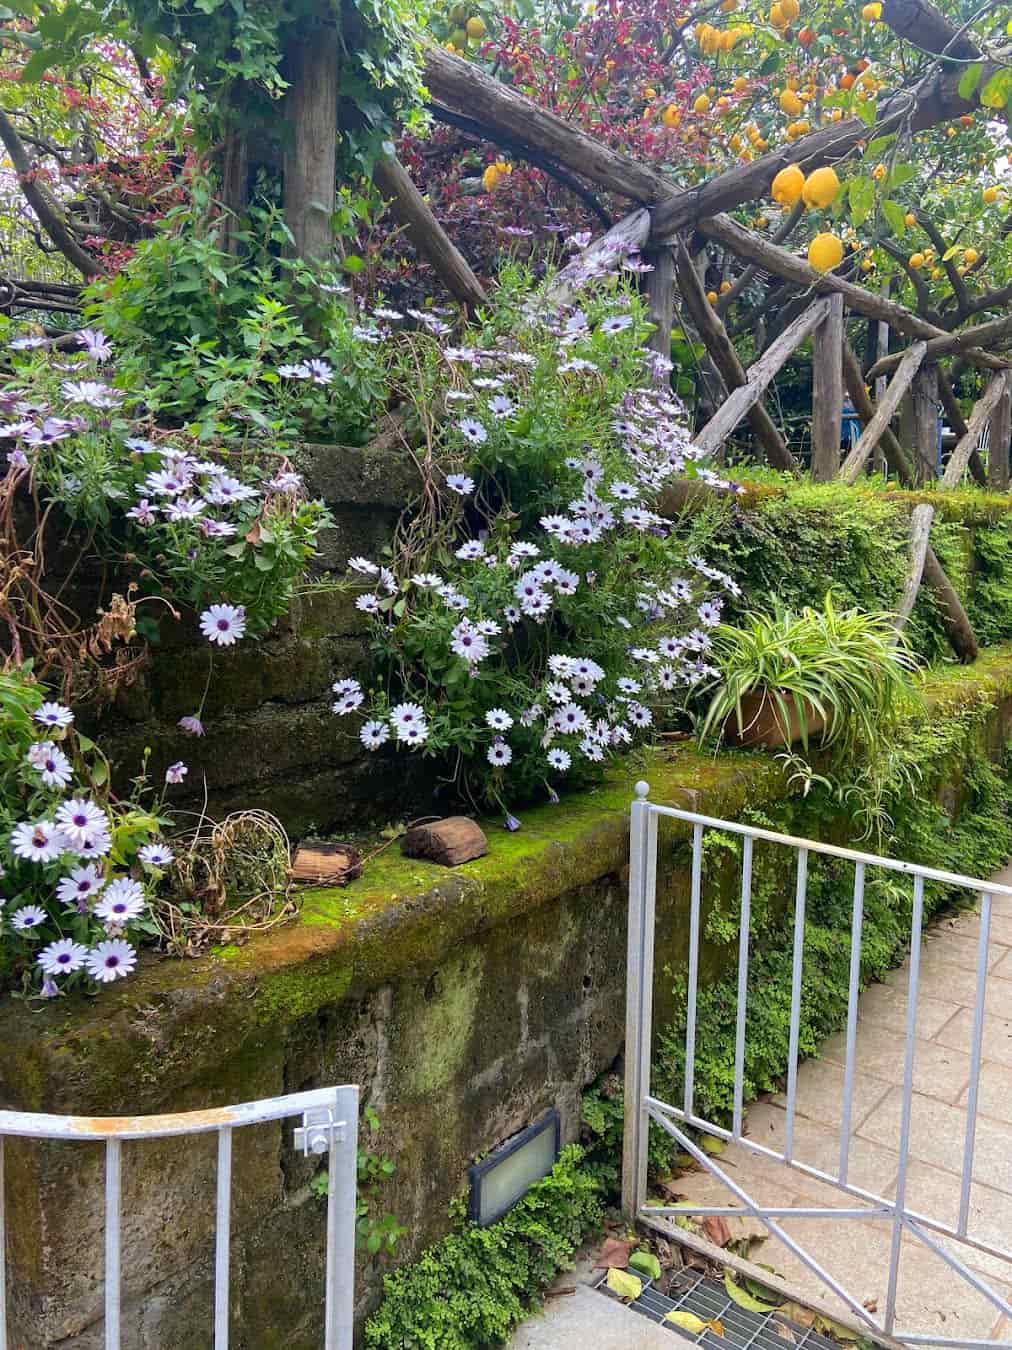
{"x":761,"y":722}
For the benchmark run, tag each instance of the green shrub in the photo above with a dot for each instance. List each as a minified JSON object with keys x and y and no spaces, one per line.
{"x":474,"y":1286}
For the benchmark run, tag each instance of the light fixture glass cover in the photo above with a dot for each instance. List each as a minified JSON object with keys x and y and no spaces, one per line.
{"x":505,"y":1176}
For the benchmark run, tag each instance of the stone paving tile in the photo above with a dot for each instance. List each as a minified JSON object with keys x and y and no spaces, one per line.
{"x":820,"y":1091}
{"x":955,"y":984}
{"x":994,"y":1092}
{"x":936,"y":1136}
{"x":935,"y":1194}
{"x":871,"y":1167}
{"x":882,"y":1005}
{"x":586,"y":1317}
{"x":997,"y":1035}
{"x":1003,"y":968}
{"x":939,"y":1070}
{"x":957,"y":950}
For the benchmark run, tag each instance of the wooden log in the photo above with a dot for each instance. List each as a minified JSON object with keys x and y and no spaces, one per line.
{"x":1001,"y":430}
{"x":958,"y":628}
{"x":979,"y":418}
{"x":627,"y":236}
{"x":310,"y":159}
{"x":785,"y":264}
{"x":452,"y":841}
{"x":463,"y":86}
{"x":920,"y":23}
{"x":924,"y":394}
{"x":955,"y":415}
{"x":410,"y":209}
{"x":987,"y":334}
{"x":724,"y":357}
{"x":326,"y":864}
{"x":660,"y":289}
{"x":885,"y":409}
{"x":853,"y":378}
{"x":827,"y":393}
{"x":920,"y":538}
{"x":727,"y":417}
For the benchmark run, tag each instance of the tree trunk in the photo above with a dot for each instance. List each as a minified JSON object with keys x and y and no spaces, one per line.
{"x":957,"y":625}
{"x":661,"y":297}
{"x":827,"y":393}
{"x":924,"y":393}
{"x":1001,"y":430}
{"x":310,"y":161}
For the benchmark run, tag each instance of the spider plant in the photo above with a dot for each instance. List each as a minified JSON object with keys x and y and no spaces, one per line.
{"x":843,"y":670}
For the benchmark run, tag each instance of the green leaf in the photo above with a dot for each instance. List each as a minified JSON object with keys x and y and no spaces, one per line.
{"x":743,"y":1298}
{"x":646,"y":1263}
{"x":895,"y":214}
{"x":995,"y":94}
{"x":622,"y":1283}
{"x":353,"y":264}
{"x":861,"y":197}
{"x":970,"y":79}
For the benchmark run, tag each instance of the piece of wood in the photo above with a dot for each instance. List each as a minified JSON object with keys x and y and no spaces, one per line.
{"x":923,"y":26}
{"x":955,"y":416}
{"x":723,"y":355}
{"x":660,"y":290}
{"x":853,"y":378}
{"x":885,"y":410}
{"x":327,"y":864}
{"x":827,"y":393}
{"x":979,"y":418}
{"x":989,"y":334}
{"x":1001,"y":431}
{"x":310,"y":159}
{"x":920,"y":538}
{"x":924,"y":396}
{"x":626,"y":236}
{"x":410,"y":209}
{"x":737,"y":404}
{"x":452,"y":841}
{"x":958,"y":628}
{"x":781,"y":262}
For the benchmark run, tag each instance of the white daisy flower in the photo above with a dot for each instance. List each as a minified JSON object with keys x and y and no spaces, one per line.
{"x":184,"y":508}
{"x":472,"y":431}
{"x":498,"y":719}
{"x":112,"y":960}
{"x":156,"y":855}
{"x":62,"y":957}
{"x":122,"y":900}
{"x":709,"y":613}
{"x":469,"y":552}
{"x":560,"y":760}
{"x":629,"y":686}
{"x":224,"y":490}
{"x":638,"y":715}
{"x":80,"y":886}
{"x":501,"y":406}
{"x":368,"y":603}
{"x":26,"y":918}
{"x":374,"y":734}
{"x":570,"y":719}
{"x":460,"y":483}
{"x":223,"y":624}
{"x":79,"y":818}
{"x":469,"y":644}
{"x":41,"y":842}
{"x":591,"y":749}
{"x":347,"y":703}
{"x":175,"y":773}
{"x":406,"y":715}
{"x":363,"y":566}
{"x":499,"y":754}
{"x":346,"y":687}
{"x":54,"y":767}
{"x":53,"y":715}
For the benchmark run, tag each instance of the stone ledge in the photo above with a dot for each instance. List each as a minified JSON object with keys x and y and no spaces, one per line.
{"x":175,"y":1019}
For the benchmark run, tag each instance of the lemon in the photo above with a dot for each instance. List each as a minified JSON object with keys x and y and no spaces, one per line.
{"x":916,"y":260}
{"x":459,"y":39}
{"x":649,"y":92}
{"x":778,"y":18}
{"x":821,"y":188}
{"x":712,"y":297}
{"x":671,"y":116}
{"x":725,"y":286}
{"x":936,"y":274}
{"x":475,"y":28}
{"x":825,"y":252}
{"x":866,"y":265}
{"x":490,"y":178}
{"x":872,"y":13}
{"x":879,"y":172}
{"x":788,"y":185}
{"x":791,"y":9}
{"x":701,"y":104}
{"x":910,"y":218}
{"x":990,"y":194}
{"x":970,"y":256}
{"x":790,"y":103}
{"x":741,"y":84}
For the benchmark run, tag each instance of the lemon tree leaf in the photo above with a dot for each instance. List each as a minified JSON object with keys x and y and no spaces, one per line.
{"x":970,"y":79}
{"x":622,"y":1283}
{"x":743,"y":1298}
{"x":646,"y":1263}
{"x":686,"y":1320}
{"x":711,"y":1144}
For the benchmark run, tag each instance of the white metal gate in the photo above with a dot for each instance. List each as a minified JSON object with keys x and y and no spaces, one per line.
{"x":329,"y":1124}
{"x":641,"y":1107}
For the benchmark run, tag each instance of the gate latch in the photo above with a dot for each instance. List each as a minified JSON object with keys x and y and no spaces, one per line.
{"x":319,"y":1130}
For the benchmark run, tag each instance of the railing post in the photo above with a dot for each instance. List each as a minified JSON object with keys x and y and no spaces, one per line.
{"x":827,"y":392}
{"x":341,"y":1216}
{"x":639,"y":998}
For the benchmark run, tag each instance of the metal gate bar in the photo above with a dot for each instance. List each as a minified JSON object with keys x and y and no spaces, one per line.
{"x":329,"y":1124}
{"x":641,"y":1106}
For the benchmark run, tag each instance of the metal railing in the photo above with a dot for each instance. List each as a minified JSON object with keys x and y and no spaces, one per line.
{"x":329,"y":1124}
{"x":641,"y":1107}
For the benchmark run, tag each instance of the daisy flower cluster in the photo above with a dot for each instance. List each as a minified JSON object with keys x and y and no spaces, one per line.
{"x":74,"y":873}
{"x":541,"y":637}
{"x":232,"y":526}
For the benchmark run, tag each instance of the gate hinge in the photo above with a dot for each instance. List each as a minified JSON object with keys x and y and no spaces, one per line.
{"x":319,"y":1130}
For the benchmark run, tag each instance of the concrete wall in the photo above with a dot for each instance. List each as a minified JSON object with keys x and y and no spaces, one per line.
{"x":462,"y":1002}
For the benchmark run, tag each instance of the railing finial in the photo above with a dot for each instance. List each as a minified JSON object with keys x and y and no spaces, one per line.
{"x":642,"y":790}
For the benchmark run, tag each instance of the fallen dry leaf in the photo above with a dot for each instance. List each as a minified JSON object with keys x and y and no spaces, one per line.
{"x":622,"y":1283}
{"x":798,"y":1314}
{"x":614,"y":1252}
{"x":716,"y":1229}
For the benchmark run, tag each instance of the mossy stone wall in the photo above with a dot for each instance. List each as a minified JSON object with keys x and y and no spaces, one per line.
{"x":464,"y":1003}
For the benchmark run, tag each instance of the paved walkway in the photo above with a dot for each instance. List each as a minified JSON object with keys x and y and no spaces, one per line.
{"x":932,"y":1299}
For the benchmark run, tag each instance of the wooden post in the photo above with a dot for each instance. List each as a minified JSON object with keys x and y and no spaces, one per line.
{"x":984,"y":411}
{"x":310,"y":161}
{"x":881,"y":349}
{"x":1001,"y":432}
{"x":827,"y":393}
{"x":920,"y":540}
{"x":661,"y":296}
{"x":885,"y":407}
{"x":924,"y":399}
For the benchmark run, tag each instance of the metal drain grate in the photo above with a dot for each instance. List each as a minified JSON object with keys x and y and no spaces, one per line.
{"x":707,"y":1298}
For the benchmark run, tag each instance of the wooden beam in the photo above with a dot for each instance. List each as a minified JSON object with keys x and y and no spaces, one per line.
{"x":853,"y":378}
{"x":660,"y":289}
{"x":423,"y":229}
{"x":1001,"y":430}
{"x":955,"y":415}
{"x":310,"y":160}
{"x":885,"y":409}
{"x":827,"y":393}
{"x":730,"y":413}
{"x":785,"y":264}
{"x":949,"y":344}
{"x":955,"y":620}
{"x":979,"y":418}
{"x":723,"y":355}
{"x":924,"y":393}
{"x":920,"y":538}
